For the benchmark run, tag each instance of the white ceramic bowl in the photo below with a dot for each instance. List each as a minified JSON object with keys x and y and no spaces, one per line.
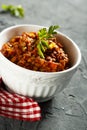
{"x":40,"y":85}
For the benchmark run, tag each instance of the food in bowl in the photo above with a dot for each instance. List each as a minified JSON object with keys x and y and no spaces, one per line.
{"x":39,"y":85}
{"x":38,"y":51}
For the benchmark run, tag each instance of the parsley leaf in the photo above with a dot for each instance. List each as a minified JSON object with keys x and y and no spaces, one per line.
{"x":17,"y":11}
{"x":52,"y":28}
{"x":42,"y":33}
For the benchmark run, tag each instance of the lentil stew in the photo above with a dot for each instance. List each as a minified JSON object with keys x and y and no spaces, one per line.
{"x":32,"y":52}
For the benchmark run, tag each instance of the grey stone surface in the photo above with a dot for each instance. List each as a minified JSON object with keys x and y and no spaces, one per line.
{"x":67,"y":110}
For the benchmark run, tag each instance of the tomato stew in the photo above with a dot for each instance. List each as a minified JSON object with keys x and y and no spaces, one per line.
{"x":23,"y":51}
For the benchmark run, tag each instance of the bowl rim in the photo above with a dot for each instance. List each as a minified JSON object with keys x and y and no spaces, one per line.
{"x":47,"y":73}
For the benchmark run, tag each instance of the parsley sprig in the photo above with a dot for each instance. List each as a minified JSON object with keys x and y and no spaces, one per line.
{"x":17,"y":11}
{"x":44,"y":36}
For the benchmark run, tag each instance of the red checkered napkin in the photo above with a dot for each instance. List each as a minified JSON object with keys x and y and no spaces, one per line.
{"x":18,"y":107}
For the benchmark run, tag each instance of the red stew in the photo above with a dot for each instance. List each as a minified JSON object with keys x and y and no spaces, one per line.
{"x":22,"y":50}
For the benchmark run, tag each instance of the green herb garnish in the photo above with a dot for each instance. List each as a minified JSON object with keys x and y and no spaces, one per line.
{"x":17,"y":11}
{"x":44,"y":36}
{"x":51,"y":30}
{"x":40,"y":51}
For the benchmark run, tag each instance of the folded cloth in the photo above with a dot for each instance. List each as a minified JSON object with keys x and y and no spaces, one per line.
{"x":19,"y":107}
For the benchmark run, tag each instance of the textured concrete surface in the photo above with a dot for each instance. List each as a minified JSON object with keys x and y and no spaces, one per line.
{"x":68,"y":110}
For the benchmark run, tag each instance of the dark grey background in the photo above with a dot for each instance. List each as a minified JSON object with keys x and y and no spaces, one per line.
{"x":68,"y":110}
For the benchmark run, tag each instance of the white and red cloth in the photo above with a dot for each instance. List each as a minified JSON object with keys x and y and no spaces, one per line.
{"x":18,"y":107}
